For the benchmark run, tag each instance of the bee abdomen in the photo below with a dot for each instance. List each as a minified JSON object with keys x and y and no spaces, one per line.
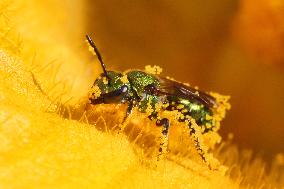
{"x":192,"y":110}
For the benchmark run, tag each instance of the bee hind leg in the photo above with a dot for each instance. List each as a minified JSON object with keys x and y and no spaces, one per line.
{"x":198,"y":147}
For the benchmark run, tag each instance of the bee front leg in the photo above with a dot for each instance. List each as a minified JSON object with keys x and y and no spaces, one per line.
{"x":128,"y":112}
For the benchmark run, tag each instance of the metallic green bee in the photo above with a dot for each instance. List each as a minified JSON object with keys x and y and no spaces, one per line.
{"x":147,"y":91}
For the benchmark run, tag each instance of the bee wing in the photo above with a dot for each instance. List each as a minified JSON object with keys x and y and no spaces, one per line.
{"x":173,"y":88}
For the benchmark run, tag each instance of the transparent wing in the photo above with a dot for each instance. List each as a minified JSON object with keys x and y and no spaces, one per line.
{"x":173,"y":88}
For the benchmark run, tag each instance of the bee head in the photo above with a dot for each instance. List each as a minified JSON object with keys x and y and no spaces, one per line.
{"x":111,"y":89}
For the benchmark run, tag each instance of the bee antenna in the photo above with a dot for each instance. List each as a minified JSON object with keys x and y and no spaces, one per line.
{"x":98,"y":54}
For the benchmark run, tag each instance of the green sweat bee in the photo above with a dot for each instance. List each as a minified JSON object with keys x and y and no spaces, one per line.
{"x":146,"y":91}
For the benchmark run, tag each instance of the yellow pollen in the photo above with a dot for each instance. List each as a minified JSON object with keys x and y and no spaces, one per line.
{"x":95,"y":92}
{"x":180,"y":106}
{"x":105,"y":81}
{"x":156,"y":70}
{"x":124,"y":79}
{"x":208,"y":117}
{"x":184,"y":111}
{"x":165,"y":105}
{"x":90,"y":48}
{"x":208,"y":125}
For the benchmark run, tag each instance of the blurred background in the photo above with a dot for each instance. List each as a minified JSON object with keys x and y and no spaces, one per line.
{"x":233,"y":47}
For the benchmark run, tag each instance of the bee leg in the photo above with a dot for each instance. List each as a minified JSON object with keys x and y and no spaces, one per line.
{"x":197,"y":144}
{"x":128,"y":112}
{"x":164,"y":142}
